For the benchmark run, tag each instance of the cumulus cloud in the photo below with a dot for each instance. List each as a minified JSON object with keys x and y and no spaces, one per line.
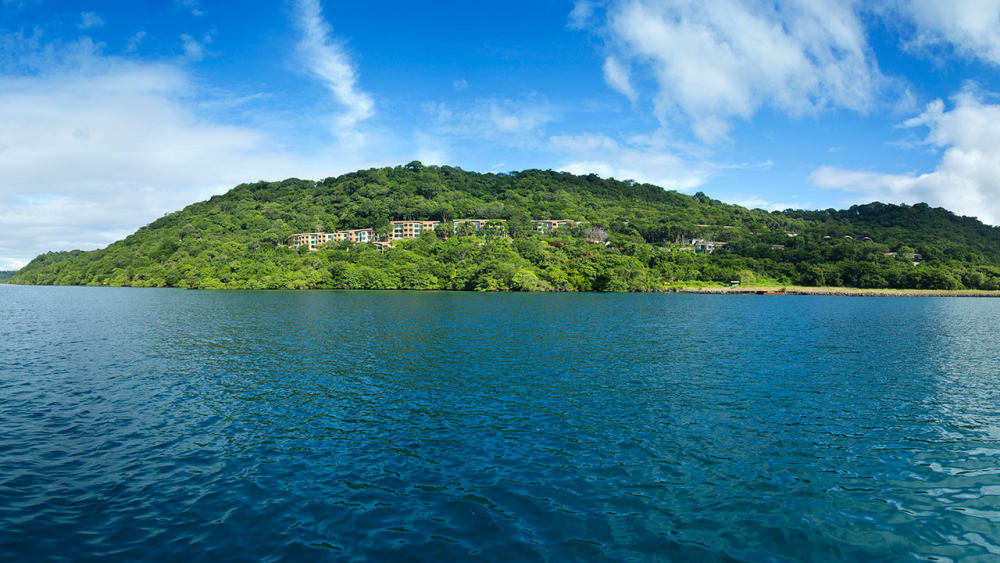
{"x":969,"y":26}
{"x":967,"y":178}
{"x":607,"y":157}
{"x":328,"y":62}
{"x":719,"y":60}
{"x":94,"y":146}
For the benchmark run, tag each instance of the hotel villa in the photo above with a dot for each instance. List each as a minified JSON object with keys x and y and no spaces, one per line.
{"x":549,"y":225}
{"x":409,"y":230}
{"x":313,"y":240}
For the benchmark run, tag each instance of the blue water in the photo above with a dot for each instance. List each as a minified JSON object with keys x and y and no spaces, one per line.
{"x":159,"y":424}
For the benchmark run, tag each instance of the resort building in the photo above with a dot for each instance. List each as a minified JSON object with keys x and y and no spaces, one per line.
{"x":411,"y":229}
{"x":355,"y":235}
{"x":707,"y":246}
{"x":313,"y":240}
{"x":549,"y":225}
{"x":477,"y":224}
{"x":310,"y":240}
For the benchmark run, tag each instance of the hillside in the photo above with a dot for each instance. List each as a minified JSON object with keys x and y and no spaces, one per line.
{"x":627,"y":236}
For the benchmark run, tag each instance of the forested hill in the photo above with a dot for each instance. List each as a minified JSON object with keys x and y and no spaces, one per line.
{"x":629,"y":236}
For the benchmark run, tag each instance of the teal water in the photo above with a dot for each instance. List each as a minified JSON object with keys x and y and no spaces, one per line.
{"x":159,"y":424}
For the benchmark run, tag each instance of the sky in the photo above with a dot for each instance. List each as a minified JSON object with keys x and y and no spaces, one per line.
{"x":113,"y":114}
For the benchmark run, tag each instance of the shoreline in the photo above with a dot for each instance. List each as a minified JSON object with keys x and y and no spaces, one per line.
{"x":836,"y":291}
{"x":708,"y":290}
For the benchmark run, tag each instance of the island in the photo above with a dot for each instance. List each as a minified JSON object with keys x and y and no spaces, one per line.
{"x":422,"y":227}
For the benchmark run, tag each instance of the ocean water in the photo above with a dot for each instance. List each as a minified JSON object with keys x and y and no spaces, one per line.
{"x":160,"y":424}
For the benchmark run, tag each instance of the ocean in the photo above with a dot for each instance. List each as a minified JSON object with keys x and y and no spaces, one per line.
{"x":159,"y":424}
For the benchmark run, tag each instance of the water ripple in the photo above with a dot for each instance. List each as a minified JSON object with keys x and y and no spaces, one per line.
{"x":160,"y":424}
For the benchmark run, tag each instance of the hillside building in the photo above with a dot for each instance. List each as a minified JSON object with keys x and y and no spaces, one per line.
{"x":477,"y":224}
{"x":707,"y":246}
{"x":411,"y":229}
{"x":549,"y":225}
{"x":313,"y":240}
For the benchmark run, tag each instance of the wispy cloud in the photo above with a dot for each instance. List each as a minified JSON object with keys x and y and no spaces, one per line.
{"x":328,"y":61}
{"x":581,"y":14}
{"x":14,"y":6}
{"x":194,"y":50}
{"x":135,"y":41}
{"x":191,"y":6}
{"x":758,"y":202}
{"x":513,"y":122}
{"x":607,"y":157}
{"x":617,"y":76}
{"x":90,"y":20}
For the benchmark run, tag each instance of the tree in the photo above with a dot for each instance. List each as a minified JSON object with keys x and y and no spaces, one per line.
{"x":443,"y":230}
{"x":383,"y":228}
{"x":465,"y":229}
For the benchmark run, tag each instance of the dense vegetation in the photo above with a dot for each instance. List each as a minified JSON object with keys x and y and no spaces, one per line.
{"x":6,"y":274}
{"x":629,"y":239}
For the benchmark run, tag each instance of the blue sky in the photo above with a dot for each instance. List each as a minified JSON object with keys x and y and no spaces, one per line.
{"x":116,"y":113}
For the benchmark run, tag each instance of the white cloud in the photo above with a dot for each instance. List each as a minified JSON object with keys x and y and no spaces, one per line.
{"x":192,"y":6}
{"x":94,"y":146}
{"x":328,"y":62}
{"x":717,"y":60}
{"x":967,"y":178}
{"x":758,"y":202}
{"x":604,"y":156}
{"x":194,"y":50}
{"x":429,"y":150}
{"x":14,"y":6}
{"x":512,"y":122}
{"x":972,"y":27}
{"x":90,"y":20}
{"x":581,"y":14}
{"x":135,"y":41}
{"x":10,"y":263}
{"x":461,"y":84}
{"x":617,"y":76}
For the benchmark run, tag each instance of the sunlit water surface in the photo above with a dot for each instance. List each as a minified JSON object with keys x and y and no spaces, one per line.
{"x":160,"y":424}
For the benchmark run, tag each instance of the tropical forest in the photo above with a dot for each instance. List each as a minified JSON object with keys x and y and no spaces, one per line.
{"x":621,"y":236}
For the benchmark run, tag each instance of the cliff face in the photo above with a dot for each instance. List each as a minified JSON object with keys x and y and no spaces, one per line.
{"x":649,"y":239}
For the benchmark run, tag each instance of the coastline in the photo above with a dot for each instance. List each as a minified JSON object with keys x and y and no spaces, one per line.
{"x":838,"y":291}
{"x":706,"y":290}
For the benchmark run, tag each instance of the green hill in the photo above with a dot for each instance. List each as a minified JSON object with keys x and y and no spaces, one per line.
{"x":629,"y":236}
